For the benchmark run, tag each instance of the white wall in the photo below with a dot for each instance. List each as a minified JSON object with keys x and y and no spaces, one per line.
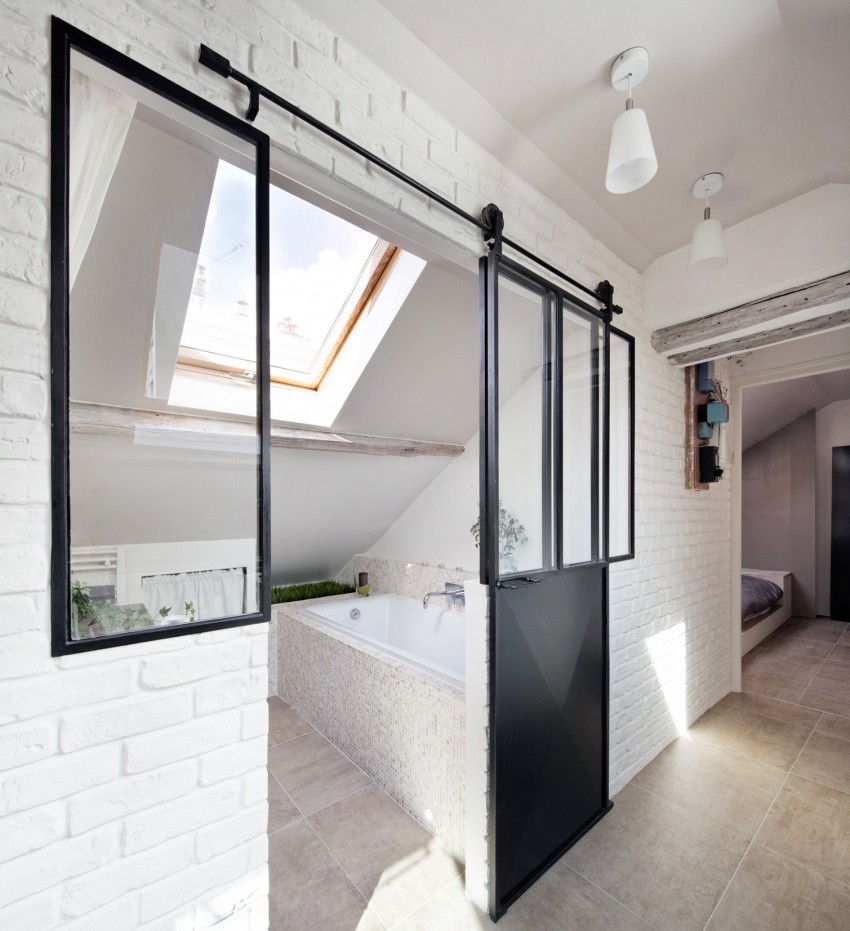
{"x":797,"y":242}
{"x":778,"y":507}
{"x":833,"y":429}
{"x":133,"y":784}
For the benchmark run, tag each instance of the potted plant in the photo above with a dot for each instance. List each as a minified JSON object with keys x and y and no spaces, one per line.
{"x":511,"y":535}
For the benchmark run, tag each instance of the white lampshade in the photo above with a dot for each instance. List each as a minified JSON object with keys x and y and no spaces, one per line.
{"x":708,"y":250}
{"x":631,"y":158}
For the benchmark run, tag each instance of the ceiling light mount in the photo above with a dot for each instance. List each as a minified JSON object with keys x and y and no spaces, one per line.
{"x":634,"y":64}
{"x":708,"y":185}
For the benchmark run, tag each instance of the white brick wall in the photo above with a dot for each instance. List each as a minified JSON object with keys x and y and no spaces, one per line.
{"x":125,"y":799}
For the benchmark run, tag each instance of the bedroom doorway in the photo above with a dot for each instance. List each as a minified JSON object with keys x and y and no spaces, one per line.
{"x":788,"y":420}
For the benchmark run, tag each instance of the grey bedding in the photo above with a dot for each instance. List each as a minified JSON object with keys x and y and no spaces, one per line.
{"x":758,"y":596}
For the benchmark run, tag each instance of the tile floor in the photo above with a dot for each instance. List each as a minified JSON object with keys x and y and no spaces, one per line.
{"x":744,"y":824}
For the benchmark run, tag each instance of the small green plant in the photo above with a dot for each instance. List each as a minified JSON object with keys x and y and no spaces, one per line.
{"x":81,"y":599}
{"x":113,"y":617}
{"x":511,"y":533}
{"x":189,"y":608}
{"x":164,"y":612}
{"x":304,"y":590}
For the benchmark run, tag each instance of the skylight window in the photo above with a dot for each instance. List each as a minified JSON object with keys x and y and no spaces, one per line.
{"x":325,"y":272}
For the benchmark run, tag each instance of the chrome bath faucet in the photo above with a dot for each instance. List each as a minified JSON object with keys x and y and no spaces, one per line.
{"x":453,"y":593}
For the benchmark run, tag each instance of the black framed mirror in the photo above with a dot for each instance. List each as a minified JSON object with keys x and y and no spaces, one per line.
{"x":621,"y":493}
{"x":159,"y":243}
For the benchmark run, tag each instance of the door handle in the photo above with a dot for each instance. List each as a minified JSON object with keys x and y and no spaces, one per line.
{"x":518,"y":583}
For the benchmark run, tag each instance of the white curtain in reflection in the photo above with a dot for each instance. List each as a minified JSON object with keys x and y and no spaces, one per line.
{"x":213,"y":593}
{"x":100,"y":119}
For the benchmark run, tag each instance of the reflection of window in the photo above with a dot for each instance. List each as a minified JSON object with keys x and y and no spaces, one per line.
{"x":324,"y":274}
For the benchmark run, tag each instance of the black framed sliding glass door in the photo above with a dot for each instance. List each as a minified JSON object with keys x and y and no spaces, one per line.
{"x":544,"y":558}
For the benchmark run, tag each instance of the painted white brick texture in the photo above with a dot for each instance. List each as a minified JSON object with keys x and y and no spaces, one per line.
{"x":133,"y":791}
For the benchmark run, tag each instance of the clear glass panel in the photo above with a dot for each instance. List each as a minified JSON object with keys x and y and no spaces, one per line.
{"x":163,"y":502}
{"x":524,"y":390}
{"x":620,"y":455}
{"x":582,"y":406}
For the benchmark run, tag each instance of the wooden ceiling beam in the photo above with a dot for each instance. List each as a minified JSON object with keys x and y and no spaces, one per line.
{"x":754,"y":313}
{"x":743,"y":344}
{"x":101,"y":420}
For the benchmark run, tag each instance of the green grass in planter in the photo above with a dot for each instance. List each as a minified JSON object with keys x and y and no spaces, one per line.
{"x":303,"y":590}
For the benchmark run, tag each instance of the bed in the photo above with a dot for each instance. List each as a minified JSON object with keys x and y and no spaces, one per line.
{"x":766,"y":601}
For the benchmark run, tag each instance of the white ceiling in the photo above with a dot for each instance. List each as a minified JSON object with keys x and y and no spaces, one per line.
{"x":768,"y":408}
{"x":757,"y":90}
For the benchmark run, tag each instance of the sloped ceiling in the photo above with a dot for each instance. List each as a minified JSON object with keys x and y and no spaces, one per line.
{"x":768,"y":408}
{"x":756,"y":90}
{"x":421,"y":383}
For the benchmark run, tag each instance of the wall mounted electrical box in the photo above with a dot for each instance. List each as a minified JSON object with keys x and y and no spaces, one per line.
{"x":709,"y":464}
{"x":705,"y":377}
{"x":713,"y":412}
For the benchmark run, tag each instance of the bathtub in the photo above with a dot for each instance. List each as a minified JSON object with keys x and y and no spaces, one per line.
{"x":387,"y":688}
{"x":430,"y":639}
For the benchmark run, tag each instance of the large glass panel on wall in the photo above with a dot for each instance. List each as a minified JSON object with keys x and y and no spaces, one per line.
{"x":165,"y":476}
{"x":582,"y":339}
{"x":525,"y":527}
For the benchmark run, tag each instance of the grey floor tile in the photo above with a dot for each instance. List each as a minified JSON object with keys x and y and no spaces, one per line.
{"x":351,"y":918}
{"x":834,"y":725}
{"x":783,"y":681}
{"x":772,"y":893}
{"x":284,"y":722}
{"x":794,"y":647}
{"x":713,"y":782}
{"x":830,"y":689}
{"x":448,"y":910}
{"x":394,"y":862}
{"x":810,"y":823}
{"x":314,"y":773}
{"x":789,"y":712}
{"x":762,"y":739}
{"x":811,"y":628}
{"x":662,"y":862}
{"x":307,"y":887}
{"x":282,"y":810}
{"x":561,"y":900}
{"x":840,"y":653}
{"x":826,"y":760}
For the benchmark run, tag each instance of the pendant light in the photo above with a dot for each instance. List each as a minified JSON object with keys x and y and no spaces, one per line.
{"x":631,"y":157}
{"x":708,"y":250}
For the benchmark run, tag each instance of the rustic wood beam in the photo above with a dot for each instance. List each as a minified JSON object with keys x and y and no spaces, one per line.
{"x":758,"y":340}
{"x":101,"y":420}
{"x":753,"y":313}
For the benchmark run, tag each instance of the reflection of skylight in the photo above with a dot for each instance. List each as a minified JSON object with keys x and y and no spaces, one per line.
{"x":220,"y":326}
{"x":324,"y":272}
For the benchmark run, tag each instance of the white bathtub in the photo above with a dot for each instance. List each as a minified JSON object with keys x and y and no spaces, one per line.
{"x":431,"y":639}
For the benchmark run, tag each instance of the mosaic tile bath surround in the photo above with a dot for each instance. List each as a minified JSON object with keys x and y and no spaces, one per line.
{"x":395,"y":576}
{"x":404,"y":728}
{"x":386,"y":577}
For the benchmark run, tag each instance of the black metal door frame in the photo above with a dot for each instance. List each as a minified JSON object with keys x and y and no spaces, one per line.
{"x":586,"y":585}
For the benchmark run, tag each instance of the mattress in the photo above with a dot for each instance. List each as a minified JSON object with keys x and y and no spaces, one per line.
{"x":758,"y":596}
